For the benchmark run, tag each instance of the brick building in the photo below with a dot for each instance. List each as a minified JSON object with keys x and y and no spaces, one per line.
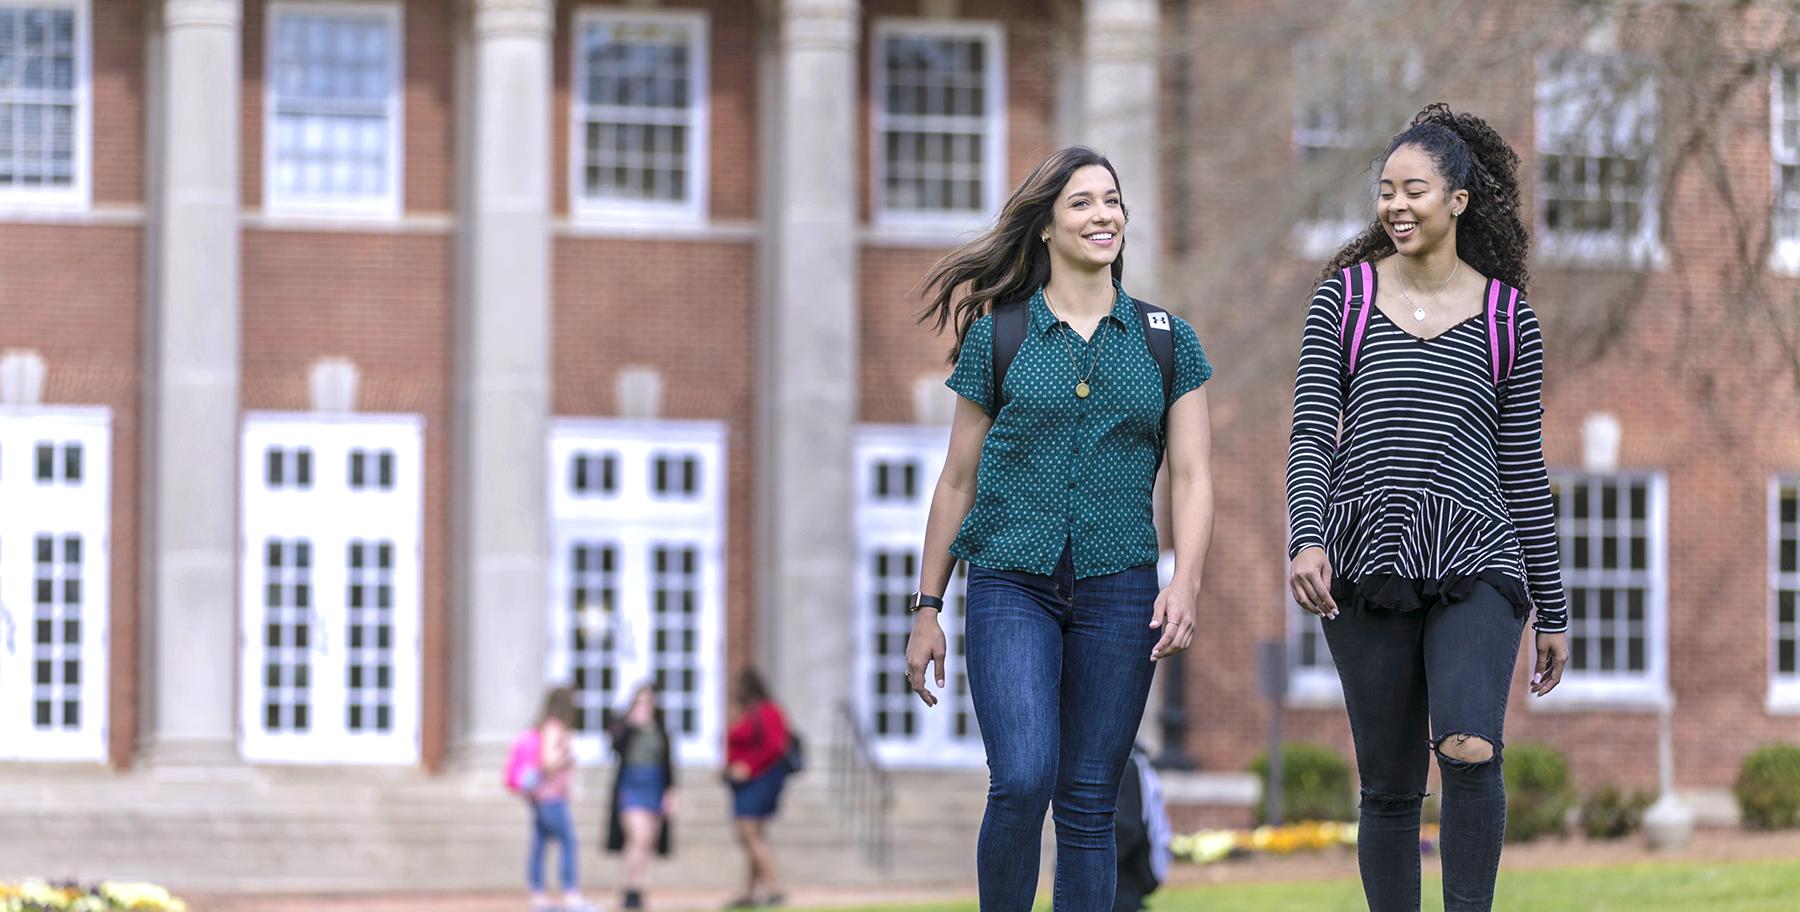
{"x":369,"y":363}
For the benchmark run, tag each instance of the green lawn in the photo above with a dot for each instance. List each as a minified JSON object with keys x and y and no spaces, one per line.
{"x":1743,"y":887}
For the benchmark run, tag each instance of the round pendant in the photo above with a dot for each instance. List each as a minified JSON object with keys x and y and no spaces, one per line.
{"x":1419,"y":314}
{"x":1081,"y":389}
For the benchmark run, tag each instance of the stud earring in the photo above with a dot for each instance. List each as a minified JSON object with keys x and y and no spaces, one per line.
{"x":1044,"y":237}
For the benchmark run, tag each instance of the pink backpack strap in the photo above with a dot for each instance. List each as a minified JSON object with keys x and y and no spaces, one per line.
{"x":1359,"y":282}
{"x":1502,"y":326}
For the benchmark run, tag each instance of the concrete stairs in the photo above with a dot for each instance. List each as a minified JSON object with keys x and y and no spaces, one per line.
{"x":301,"y":829}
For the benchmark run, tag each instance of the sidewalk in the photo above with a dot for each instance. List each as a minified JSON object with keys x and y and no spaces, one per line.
{"x":667,"y":900}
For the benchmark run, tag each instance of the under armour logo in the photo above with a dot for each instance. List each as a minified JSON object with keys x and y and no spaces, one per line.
{"x":1159,"y":321}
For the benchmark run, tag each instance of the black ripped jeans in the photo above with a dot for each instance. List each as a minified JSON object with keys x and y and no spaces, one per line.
{"x":1448,"y":668}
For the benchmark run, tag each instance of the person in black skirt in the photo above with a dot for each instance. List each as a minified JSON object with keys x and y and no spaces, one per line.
{"x":643,"y":797}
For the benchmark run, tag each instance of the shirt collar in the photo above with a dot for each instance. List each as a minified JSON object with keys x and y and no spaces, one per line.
{"x":1042,"y":320}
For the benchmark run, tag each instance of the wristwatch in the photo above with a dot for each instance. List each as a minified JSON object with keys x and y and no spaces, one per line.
{"x":918,"y":600}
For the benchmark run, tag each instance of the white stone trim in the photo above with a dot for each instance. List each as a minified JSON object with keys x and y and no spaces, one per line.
{"x":386,"y":205}
{"x":631,"y":215}
{"x":331,"y":512}
{"x":939,"y":226}
{"x":79,"y":194}
{"x":66,"y":509}
{"x":633,"y":519}
{"x":894,"y":523}
{"x":730,"y":230}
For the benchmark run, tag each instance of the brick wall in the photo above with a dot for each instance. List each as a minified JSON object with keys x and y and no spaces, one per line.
{"x":72,"y":292}
{"x":382,"y":298}
{"x":1700,"y":394}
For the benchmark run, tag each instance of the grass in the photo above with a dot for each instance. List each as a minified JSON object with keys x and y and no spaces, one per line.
{"x":1736,"y":887}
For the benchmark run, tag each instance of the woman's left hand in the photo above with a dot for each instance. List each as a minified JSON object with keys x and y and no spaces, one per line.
{"x":1174,"y":615}
{"x":668,"y":804}
{"x":738,"y":772}
{"x":1552,"y":655}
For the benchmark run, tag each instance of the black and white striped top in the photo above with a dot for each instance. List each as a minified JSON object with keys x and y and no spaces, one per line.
{"x":1438,"y":475}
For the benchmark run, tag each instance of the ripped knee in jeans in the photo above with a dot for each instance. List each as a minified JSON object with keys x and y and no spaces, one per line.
{"x":1391,"y":801}
{"x":1463,"y":749}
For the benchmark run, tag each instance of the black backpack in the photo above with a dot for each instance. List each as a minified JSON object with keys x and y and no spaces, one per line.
{"x":1013,"y":318}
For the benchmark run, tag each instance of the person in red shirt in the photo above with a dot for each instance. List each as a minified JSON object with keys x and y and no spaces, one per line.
{"x":756,"y":766}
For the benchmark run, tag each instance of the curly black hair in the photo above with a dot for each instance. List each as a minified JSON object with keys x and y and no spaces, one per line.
{"x":1469,"y":154}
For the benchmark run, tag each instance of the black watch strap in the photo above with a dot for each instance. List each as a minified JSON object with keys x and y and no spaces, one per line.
{"x":919,"y":600}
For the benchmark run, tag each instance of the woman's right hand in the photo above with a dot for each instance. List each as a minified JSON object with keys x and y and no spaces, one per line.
{"x":1310,"y":579}
{"x":925,"y":647}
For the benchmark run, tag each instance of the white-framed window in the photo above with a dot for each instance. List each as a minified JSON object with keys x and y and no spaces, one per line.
{"x":332,"y":554}
{"x":1596,"y":159}
{"x":639,"y":116}
{"x":1345,"y":107}
{"x":55,"y":496}
{"x":637,"y":590}
{"x":46,"y":108}
{"x":1784,"y":154}
{"x":1784,"y":593}
{"x":1613,"y":530}
{"x":896,"y":470}
{"x":333,"y":121}
{"x":938,"y":115}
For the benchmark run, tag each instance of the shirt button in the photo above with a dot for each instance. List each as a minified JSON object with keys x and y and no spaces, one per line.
{"x":1071,"y":486}
{"x":1075,"y":449}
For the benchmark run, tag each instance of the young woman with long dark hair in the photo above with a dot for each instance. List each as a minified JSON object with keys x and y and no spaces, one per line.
{"x":1069,"y":394}
{"x":1421,"y":520}
{"x":643,"y":794}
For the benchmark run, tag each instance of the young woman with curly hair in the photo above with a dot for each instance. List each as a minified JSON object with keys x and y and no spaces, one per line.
{"x":1420,"y":511}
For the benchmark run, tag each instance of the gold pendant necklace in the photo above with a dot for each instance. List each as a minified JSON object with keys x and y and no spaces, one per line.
{"x":1082,"y":389}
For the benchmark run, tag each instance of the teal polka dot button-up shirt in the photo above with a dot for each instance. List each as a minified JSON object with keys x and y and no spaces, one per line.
{"x":1056,"y":467}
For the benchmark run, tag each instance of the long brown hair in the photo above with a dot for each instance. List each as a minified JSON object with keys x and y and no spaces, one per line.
{"x":559,"y":704}
{"x":1469,"y":154}
{"x":1008,"y":262}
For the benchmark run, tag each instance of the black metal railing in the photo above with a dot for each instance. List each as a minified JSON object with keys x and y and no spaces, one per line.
{"x":862,"y":791}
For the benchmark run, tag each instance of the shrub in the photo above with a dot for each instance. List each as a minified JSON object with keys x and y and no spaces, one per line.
{"x":1538,"y":794}
{"x":1768,"y":787}
{"x":1316,"y":784}
{"x":1613,"y":814}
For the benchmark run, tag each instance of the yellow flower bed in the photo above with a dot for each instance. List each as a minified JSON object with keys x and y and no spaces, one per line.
{"x":112,"y":896}
{"x":1208,"y":846}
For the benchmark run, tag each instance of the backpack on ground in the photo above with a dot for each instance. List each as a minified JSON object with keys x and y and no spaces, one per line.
{"x":1156,"y":815}
{"x":1501,"y":306}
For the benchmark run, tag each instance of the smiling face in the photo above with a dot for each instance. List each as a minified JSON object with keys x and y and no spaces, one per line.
{"x":1087,"y":224}
{"x":1415,"y":206}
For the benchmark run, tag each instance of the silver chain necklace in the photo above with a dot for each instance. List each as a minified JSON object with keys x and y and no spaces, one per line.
{"x":1419,"y":312}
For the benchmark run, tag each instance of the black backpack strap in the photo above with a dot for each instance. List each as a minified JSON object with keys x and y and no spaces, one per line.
{"x":1159,"y":337}
{"x":1010,"y":322}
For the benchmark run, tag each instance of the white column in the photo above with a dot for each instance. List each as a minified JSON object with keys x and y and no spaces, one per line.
{"x":809,"y":363}
{"x":191,"y":399}
{"x":1121,"y":97}
{"x":503,"y":374}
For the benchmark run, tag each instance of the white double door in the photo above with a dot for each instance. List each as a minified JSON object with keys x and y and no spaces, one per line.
{"x":896,"y":469}
{"x":637,"y":591}
{"x":55,"y":498}
{"x":331,"y":568}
